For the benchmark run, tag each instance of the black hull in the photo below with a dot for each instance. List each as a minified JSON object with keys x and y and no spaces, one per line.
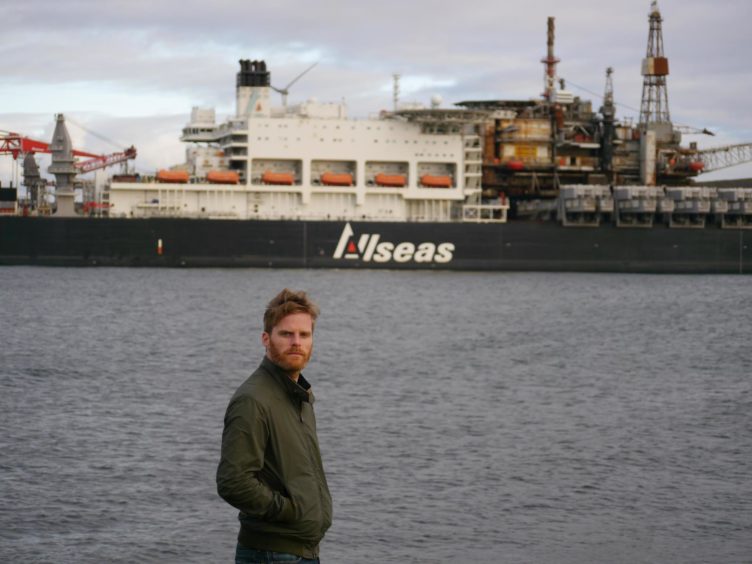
{"x":515,"y":246}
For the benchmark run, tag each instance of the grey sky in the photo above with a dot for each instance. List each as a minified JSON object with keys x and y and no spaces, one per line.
{"x":132,"y":70}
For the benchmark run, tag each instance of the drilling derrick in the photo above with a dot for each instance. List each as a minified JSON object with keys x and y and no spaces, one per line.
{"x":654,"y":113}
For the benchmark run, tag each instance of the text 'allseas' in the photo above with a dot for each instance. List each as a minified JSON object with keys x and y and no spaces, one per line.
{"x":369,"y":247}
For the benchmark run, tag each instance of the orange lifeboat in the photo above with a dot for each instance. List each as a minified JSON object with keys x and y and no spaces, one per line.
{"x":336,"y":179}
{"x":278,"y":178}
{"x":172,"y":176}
{"x":433,"y":181}
{"x":517,"y":166}
{"x":222,"y":177}
{"x":696,"y":166}
{"x":393,"y":180}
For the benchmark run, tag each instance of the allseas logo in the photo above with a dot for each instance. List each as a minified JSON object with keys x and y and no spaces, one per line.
{"x":370,"y":247}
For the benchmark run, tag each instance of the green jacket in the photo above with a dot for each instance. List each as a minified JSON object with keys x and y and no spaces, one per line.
{"x":270,"y":468}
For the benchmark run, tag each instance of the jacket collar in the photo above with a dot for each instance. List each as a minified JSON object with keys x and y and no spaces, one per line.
{"x":299,"y":391}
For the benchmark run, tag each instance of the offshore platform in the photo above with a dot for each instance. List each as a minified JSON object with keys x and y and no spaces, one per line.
{"x":534,"y":147}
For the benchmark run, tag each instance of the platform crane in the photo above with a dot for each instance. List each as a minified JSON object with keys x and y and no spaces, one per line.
{"x":725,"y":156}
{"x":689,"y":130}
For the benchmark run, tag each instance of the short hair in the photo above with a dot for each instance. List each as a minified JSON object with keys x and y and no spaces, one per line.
{"x":286,"y":303}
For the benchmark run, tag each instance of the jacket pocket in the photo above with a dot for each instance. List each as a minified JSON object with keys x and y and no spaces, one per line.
{"x":306,"y":502}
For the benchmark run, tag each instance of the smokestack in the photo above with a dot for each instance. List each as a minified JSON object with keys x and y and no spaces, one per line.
{"x":252,"y":89}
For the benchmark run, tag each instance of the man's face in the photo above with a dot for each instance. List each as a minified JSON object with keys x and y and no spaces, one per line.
{"x":290,"y":343}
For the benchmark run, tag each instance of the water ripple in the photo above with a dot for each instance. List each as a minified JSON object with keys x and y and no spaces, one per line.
{"x":463,"y":417}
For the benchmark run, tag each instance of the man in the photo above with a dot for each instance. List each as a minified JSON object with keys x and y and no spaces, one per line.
{"x":270,"y":468}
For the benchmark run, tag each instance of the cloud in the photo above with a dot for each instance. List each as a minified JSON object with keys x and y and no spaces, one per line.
{"x":135,"y":68}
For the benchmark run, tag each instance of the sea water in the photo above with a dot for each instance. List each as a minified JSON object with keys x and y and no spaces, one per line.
{"x":463,"y":417}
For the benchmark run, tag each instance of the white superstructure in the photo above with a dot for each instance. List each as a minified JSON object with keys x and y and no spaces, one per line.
{"x":310,"y":161}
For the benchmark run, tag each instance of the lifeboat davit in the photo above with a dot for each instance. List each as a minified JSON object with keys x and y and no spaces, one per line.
{"x":393,"y":180}
{"x":515,"y":166}
{"x":222,"y":177}
{"x":278,"y":178}
{"x":434,"y":181}
{"x":336,"y":179}
{"x":173,"y":176}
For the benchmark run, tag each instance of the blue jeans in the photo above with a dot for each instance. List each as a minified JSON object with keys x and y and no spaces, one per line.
{"x":251,"y":556}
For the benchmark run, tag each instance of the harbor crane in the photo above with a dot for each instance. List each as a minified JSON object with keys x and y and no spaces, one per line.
{"x":18,"y":145}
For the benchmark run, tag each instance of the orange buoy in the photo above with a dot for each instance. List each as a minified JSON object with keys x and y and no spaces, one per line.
{"x":222,"y":177}
{"x":433,"y":181}
{"x":279,"y":178}
{"x":173,"y":176}
{"x":393,"y":180}
{"x":336,"y":179}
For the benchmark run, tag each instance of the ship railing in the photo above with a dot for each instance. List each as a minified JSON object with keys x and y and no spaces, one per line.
{"x":485,"y":213}
{"x":233,"y":124}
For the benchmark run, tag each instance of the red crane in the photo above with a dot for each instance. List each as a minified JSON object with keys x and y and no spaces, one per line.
{"x":16,"y":144}
{"x":102,"y":161}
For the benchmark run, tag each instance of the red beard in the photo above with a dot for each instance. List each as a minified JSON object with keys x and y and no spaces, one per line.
{"x":292,"y":359}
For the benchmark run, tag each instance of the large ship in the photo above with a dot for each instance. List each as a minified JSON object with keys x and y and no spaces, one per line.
{"x":544,"y":184}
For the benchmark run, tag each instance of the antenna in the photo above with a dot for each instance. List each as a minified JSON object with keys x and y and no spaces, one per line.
{"x":286,"y":90}
{"x":396,"y":90}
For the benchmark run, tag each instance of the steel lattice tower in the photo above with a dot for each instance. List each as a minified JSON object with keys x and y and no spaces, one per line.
{"x":654,"y":107}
